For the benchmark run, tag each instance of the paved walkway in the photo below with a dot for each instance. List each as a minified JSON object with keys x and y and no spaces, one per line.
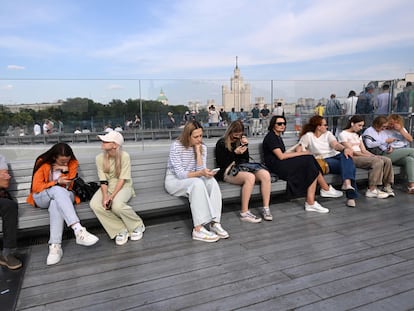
{"x":349,"y":259}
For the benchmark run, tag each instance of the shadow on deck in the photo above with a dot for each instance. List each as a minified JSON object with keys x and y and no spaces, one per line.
{"x":352,"y":258}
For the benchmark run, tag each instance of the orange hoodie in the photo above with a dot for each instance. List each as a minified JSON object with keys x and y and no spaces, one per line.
{"x":40,"y":179}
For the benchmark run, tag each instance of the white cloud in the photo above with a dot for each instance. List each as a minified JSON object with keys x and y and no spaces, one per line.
{"x":7,"y":87}
{"x":115,"y":87}
{"x":15,"y":67}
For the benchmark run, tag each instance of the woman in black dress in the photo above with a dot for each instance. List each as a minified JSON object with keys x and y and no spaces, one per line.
{"x":298,"y":168}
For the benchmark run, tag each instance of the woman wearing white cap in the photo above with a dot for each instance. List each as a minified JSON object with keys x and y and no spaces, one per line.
{"x":110,"y":202}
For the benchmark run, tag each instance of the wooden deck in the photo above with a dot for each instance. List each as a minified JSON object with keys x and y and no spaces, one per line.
{"x":349,"y":259}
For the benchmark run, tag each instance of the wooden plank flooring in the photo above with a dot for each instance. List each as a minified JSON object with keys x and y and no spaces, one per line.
{"x":349,"y":259}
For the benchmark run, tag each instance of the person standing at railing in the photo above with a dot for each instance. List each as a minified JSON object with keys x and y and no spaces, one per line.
{"x":350,"y":104}
{"x":213,"y":116}
{"x":51,"y":187}
{"x":402,"y":101}
{"x":333,"y":111}
{"x":364,"y":105}
{"x":255,"y":120}
{"x":8,"y":214}
{"x":232,"y":115}
{"x":110,"y":203}
{"x":188,"y":176}
{"x":382,"y":102}
{"x":264,"y":116}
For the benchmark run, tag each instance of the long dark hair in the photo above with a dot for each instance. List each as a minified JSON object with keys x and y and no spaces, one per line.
{"x":311,"y":126}
{"x":354,"y":119}
{"x":273,"y":122}
{"x":50,"y":156}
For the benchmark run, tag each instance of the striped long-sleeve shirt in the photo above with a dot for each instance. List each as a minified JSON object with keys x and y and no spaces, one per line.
{"x":182,"y":160}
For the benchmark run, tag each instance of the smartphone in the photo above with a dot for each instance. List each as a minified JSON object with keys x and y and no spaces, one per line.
{"x":215,"y":170}
{"x":109,"y":205}
{"x":244,"y":145}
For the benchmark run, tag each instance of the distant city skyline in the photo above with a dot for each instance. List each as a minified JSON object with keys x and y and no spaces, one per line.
{"x":51,"y":50}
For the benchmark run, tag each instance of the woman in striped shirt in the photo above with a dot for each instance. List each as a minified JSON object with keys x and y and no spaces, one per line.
{"x":188,"y":176}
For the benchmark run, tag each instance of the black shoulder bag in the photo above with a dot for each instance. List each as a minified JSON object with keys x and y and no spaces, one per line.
{"x":84,"y":190}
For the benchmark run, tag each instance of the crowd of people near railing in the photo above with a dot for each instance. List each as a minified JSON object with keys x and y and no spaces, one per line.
{"x":376,"y":146}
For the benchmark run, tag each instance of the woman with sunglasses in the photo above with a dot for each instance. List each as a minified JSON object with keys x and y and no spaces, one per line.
{"x":316,"y":138}
{"x":380,"y":139}
{"x":298,"y":168}
{"x":188,"y":176}
{"x":231,"y":150}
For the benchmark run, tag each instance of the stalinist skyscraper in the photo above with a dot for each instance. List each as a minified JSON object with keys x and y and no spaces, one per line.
{"x":239,"y":94}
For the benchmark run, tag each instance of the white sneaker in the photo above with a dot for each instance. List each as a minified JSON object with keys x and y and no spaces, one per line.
{"x":218,"y":229}
{"x":83,"y":237}
{"x":266,"y":214}
{"x":250,"y":217}
{"x":316,"y":207}
{"x":389,"y":190}
{"x":55,"y":254}
{"x":331,"y":193}
{"x":205,"y":235}
{"x":138,"y":233}
{"x":376,"y":193}
{"x":122,"y":237}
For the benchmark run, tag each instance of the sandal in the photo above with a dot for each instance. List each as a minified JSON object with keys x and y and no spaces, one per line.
{"x":410,"y":190}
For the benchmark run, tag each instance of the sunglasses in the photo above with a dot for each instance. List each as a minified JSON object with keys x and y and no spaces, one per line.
{"x":280,"y":123}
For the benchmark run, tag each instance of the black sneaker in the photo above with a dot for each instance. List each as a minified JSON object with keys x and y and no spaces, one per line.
{"x":10,"y":262}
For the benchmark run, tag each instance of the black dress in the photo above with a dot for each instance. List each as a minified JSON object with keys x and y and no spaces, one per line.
{"x":299,"y":172}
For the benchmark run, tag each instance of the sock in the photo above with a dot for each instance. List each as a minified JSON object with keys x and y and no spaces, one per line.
{"x":76,"y":227}
{"x":6,"y":251}
{"x":266,"y":207}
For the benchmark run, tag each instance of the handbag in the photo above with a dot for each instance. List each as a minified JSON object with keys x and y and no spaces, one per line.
{"x":251,"y":167}
{"x":84,"y":190}
{"x":323,"y":165}
{"x":374,"y":150}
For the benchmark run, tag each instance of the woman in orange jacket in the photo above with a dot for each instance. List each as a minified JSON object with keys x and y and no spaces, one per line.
{"x":52,"y":182}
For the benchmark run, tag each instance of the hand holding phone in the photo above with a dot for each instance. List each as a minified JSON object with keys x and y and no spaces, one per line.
{"x":244,"y":145}
{"x":108,"y":205}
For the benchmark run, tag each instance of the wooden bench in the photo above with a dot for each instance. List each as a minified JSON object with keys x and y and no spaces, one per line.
{"x":148,"y":171}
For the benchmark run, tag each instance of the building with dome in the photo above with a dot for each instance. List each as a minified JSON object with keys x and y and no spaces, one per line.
{"x":162,"y":98}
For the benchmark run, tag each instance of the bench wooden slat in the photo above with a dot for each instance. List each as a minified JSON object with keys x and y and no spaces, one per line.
{"x":148,"y":172}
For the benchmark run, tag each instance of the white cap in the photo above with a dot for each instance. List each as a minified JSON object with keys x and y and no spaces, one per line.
{"x":112,"y":137}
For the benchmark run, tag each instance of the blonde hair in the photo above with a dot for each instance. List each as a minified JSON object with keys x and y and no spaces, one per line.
{"x":234,"y":127}
{"x":396,"y":118}
{"x":106,"y":163}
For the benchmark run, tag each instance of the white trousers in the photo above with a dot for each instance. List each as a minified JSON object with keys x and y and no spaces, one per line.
{"x":203,"y":193}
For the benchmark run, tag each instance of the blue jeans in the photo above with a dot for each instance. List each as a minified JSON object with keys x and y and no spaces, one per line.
{"x":59,"y":201}
{"x":340,"y":165}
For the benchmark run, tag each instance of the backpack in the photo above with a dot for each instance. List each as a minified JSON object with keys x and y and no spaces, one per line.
{"x":333,"y":108}
{"x":364,"y":105}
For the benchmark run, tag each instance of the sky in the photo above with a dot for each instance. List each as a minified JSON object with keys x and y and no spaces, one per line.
{"x":52,"y":50}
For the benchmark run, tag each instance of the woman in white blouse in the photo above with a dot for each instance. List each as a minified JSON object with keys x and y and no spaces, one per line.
{"x":188,"y":176}
{"x":381,"y":172}
{"x":316,"y":138}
